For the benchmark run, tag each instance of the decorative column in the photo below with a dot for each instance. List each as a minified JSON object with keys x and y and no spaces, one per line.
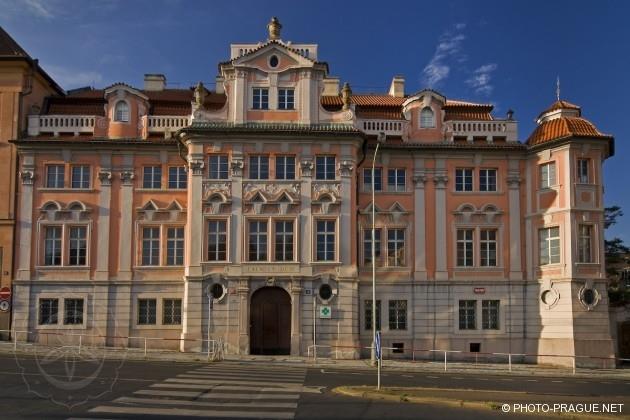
{"x":420,"y":267}
{"x":514,"y":183}
{"x":306,"y":169}
{"x":440,"y":181}
{"x":236,"y":232}
{"x":345,"y":218}
{"x":243,"y":321}
{"x":102,"y":224}
{"x":126,"y":224}
{"x":296,"y":318}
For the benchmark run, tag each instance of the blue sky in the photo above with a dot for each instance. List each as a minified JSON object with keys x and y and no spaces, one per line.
{"x":506,"y":53}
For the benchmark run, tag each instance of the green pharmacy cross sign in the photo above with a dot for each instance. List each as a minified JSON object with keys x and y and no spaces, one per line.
{"x":325,"y":312}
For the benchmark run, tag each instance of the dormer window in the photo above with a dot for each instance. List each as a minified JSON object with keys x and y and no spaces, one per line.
{"x":427,"y":118}
{"x":121,"y":111}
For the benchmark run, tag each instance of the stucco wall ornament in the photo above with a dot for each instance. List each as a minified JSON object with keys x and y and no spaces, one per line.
{"x":212,"y":188}
{"x":550,"y":297}
{"x":196,"y":166}
{"x":127,"y":177}
{"x":105,"y":177}
{"x":346,"y":167}
{"x":306,"y":167}
{"x":271,"y":192}
{"x":331,"y":189}
{"x":27,"y":176}
{"x":237,"y":167}
{"x":589,"y":297}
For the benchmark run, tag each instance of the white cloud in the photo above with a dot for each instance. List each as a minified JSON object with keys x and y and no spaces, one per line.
{"x":70,"y":79}
{"x":39,"y":8}
{"x":481,"y":78}
{"x":447,"y":50}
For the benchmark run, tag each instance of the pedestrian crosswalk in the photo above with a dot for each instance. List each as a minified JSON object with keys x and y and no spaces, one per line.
{"x":222,"y":390}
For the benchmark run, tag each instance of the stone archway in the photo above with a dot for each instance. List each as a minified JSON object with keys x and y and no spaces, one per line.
{"x":270,"y":321}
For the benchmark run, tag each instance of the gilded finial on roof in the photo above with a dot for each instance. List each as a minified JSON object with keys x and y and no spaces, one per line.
{"x":274,"y":27}
{"x":200,"y":95}
{"x":346,"y":92}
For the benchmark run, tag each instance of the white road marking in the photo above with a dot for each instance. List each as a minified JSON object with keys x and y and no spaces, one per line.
{"x":220,"y":381}
{"x":253,"y":404}
{"x":180,"y":412}
{"x":557,"y":382}
{"x":216,"y":395}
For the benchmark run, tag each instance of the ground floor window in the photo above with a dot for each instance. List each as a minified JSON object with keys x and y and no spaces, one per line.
{"x":490,"y":314}
{"x":397,"y":314}
{"x":73,"y":309}
{"x":146,"y":311}
{"x":467,"y":314}
{"x":172,"y":311}
{"x":48,"y":311}
{"x":368,"y":315}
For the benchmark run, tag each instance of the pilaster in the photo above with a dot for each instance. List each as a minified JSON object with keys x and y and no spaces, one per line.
{"x":514,"y":183}
{"x":243,"y":321}
{"x":103,"y":222}
{"x":25,"y":222}
{"x":440,"y":179}
{"x":126,"y":221}
{"x":296,"y":319}
{"x":420,"y":264}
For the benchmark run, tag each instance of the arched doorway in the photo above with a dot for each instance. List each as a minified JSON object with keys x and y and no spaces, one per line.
{"x":270,"y":326}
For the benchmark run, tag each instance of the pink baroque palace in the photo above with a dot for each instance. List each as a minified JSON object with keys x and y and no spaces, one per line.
{"x":244,"y":215}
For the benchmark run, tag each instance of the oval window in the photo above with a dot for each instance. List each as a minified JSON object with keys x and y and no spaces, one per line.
{"x":588,"y":296}
{"x":217,"y":290}
{"x":273,"y":61}
{"x":325,"y":291}
{"x":548,"y":297}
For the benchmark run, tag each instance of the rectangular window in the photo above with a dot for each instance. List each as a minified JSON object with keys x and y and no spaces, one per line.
{"x":147,"y":311}
{"x":368,"y":315}
{"x":549,"y":244}
{"x":487,"y":180}
{"x":396,"y":180}
{"x":286,"y":99}
{"x":325,"y":240}
{"x":582,"y":171}
{"x":54,"y":176}
{"x":152,"y":177}
{"x":584,"y":243}
{"x":177,"y":177}
{"x":367,"y":246}
{"x":325,"y":167}
{"x":396,"y":247}
{"x":73,"y":309}
{"x":217,"y":240}
{"x":464,"y":179}
{"x":397,"y":314}
{"x":467,"y":314}
{"x":175,"y":246}
{"x":80,"y":177}
{"x":465,"y":254}
{"x":171,"y":311}
{"x":261,"y":98}
{"x":547,"y":175}
{"x":285,"y":167}
{"x":367,"y":179}
{"x":259,"y":167}
{"x":151,"y":246}
{"x":218,"y":167}
{"x":284,"y":240}
{"x":257,"y":240}
{"x":78,"y":245}
{"x":48,"y":311}
{"x":490,"y":314}
{"x":52,"y":246}
{"x":488,"y":246}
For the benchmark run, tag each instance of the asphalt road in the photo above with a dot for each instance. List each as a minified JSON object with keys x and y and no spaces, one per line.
{"x":62,"y":386}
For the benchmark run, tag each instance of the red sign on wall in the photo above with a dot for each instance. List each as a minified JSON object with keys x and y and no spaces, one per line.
{"x":479,"y":290}
{"x":5,"y":293}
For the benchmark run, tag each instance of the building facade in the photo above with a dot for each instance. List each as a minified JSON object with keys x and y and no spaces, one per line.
{"x":245,"y":213}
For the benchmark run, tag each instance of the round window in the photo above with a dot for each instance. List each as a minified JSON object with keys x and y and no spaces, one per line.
{"x":588,"y":296}
{"x":217,"y":290}
{"x":325,"y":291}
{"x":549,"y":297}
{"x":273,"y":61}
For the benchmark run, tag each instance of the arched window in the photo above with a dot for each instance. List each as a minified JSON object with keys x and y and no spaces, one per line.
{"x":121,"y":111}
{"x":427,"y":118}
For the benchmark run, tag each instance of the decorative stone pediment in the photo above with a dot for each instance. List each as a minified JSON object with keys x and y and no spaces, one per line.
{"x":73,"y":212}
{"x":222,"y":189}
{"x":151,"y":211}
{"x":326,"y":189}
{"x":272,"y":192}
{"x":488,"y":214}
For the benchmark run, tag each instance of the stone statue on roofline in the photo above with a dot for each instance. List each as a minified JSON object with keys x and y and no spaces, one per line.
{"x":274,"y":27}
{"x":200,"y":95}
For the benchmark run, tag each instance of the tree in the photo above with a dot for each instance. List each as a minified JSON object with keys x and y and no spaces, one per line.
{"x":615,"y":250}
{"x":611,"y":214}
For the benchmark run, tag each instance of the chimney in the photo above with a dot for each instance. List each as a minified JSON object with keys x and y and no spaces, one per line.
{"x":154,"y":82}
{"x":331,"y":86}
{"x":397,"y":88}
{"x":218,"y":85}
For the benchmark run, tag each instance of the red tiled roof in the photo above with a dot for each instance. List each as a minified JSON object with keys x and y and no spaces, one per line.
{"x":467,"y":115}
{"x":10,"y":48}
{"x":380,"y":113}
{"x":465,"y":104}
{"x":562,"y":127}
{"x":364,"y":100}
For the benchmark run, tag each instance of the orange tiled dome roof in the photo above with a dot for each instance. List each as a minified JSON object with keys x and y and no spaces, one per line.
{"x":560,"y":104}
{"x":562,"y":127}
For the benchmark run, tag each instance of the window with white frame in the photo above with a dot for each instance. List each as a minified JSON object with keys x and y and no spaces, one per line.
{"x":549,"y":245}
{"x":78,"y":245}
{"x":55,"y":176}
{"x":487,"y":180}
{"x":585,"y":236}
{"x":80,"y":177}
{"x":427,"y":118}
{"x":286,"y":98}
{"x":325,"y":238}
{"x":367,"y":246}
{"x":171,"y":311}
{"x":259,"y":167}
{"x":325,"y":167}
{"x":152,"y":177}
{"x":465,"y":247}
{"x":467,"y":314}
{"x":395,"y":247}
{"x":121,"y":111}
{"x":177,"y":177}
{"x":582,"y":171}
{"x":257,"y":240}
{"x":285,"y":167}
{"x":397,"y":314}
{"x":218,"y":167}
{"x":147,"y":310}
{"x":52,"y":245}
{"x":260,"y":98}
{"x":490,"y":314}
{"x":73,"y":311}
{"x":217,"y":240}
{"x":368,"y":315}
{"x":367,"y":179}
{"x":48,"y":311}
{"x":396,"y":180}
{"x":547,"y":175}
{"x":151,"y":246}
{"x":175,"y":246}
{"x":284,"y":240}
{"x":488,"y":245}
{"x":463,"y":179}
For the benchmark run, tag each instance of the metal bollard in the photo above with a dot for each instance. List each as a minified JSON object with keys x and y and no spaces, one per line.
{"x":14,"y":340}
{"x":445,"y":361}
{"x":145,"y":347}
{"x":574,"y":365}
{"x":510,"y":361}
{"x":80,"y":342}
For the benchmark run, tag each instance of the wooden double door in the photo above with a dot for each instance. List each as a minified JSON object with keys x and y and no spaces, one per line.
{"x":270,"y":324}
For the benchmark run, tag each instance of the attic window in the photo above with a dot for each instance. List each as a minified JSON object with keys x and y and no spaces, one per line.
{"x":121,"y":111}
{"x":427,"y":119}
{"x":273,"y":61}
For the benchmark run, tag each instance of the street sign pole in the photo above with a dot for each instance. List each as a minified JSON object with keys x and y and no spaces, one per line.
{"x":379,"y":357}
